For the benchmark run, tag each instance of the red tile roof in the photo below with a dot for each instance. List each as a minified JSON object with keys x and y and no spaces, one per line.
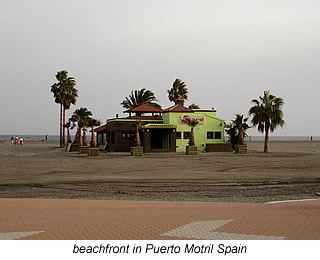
{"x":178,"y":108}
{"x":144,"y":108}
{"x":101,"y":128}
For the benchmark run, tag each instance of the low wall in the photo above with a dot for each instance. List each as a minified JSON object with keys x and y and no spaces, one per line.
{"x":218,"y":148}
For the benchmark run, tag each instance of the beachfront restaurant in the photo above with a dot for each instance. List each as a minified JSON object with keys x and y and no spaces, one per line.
{"x":166,"y":130}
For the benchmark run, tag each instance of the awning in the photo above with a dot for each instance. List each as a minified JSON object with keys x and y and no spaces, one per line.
{"x":159,"y":126}
{"x":101,"y":128}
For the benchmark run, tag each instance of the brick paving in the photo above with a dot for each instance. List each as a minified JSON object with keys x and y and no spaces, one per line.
{"x":108,"y":220}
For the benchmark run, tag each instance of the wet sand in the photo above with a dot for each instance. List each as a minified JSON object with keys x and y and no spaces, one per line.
{"x":41,"y":170}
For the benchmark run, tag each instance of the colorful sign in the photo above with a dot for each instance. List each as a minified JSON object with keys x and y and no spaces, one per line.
{"x":185,"y":119}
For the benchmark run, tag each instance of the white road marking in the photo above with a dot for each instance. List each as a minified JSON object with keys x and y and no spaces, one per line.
{"x":282,"y":201}
{"x":203,"y":230}
{"x":16,"y":235}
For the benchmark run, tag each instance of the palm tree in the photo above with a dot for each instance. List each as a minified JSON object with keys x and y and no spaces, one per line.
{"x":80,"y":117}
{"x":92,"y":123}
{"x":178,"y":89}
{"x":267,"y":115}
{"x":194,"y":106}
{"x":192,"y":123}
{"x":65,"y":94}
{"x":70,"y":98}
{"x":139,"y":97}
{"x":237,"y":130}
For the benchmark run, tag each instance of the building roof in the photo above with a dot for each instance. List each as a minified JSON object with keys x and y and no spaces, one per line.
{"x":146,"y":117}
{"x":144,"y":108}
{"x":178,"y":108}
{"x":101,"y":128}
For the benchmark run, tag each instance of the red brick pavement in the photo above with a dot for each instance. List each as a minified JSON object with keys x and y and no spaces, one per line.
{"x":107,"y":220}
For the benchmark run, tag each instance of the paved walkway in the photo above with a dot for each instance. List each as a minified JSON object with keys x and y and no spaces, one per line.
{"x":107,"y":220}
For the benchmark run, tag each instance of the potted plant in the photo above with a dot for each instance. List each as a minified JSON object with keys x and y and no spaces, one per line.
{"x":79,"y":118}
{"x":237,"y":132}
{"x":192,"y":148}
{"x":137,"y":150}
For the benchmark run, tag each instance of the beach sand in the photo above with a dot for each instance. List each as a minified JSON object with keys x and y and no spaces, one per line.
{"x":41,"y":170}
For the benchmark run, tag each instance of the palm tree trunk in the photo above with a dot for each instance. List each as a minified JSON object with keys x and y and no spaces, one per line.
{"x":266,"y":140}
{"x":69,"y":136}
{"x":84,"y":139}
{"x":64,"y":129}
{"x":93,"y":139}
{"x":61,"y":143}
{"x":76,"y":137}
{"x":138,"y":142}
{"x":79,"y":136}
{"x":191,"y":141}
{"x":241,"y":139}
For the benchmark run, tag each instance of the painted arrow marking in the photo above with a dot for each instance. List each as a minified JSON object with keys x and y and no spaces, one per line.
{"x":204,"y":230}
{"x":17,"y":235}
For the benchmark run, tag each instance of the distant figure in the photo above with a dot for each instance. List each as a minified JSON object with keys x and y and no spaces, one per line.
{"x":16,"y":140}
{"x":46,"y":138}
{"x":12,"y":140}
{"x":21,"y":141}
{"x":311,"y":138}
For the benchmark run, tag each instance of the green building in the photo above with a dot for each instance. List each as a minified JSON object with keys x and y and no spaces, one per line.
{"x":210,"y":129}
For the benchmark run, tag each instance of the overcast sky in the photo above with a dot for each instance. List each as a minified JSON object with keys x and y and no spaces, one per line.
{"x":227,"y":52}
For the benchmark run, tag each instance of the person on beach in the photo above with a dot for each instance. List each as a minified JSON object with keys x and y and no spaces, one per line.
{"x":21,"y":141}
{"x":16,"y":140}
{"x":12,"y":140}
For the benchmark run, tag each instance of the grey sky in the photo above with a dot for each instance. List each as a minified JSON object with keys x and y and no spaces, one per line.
{"x":228,"y":52}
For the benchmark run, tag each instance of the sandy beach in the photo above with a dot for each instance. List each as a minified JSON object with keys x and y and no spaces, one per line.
{"x":41,"y":170}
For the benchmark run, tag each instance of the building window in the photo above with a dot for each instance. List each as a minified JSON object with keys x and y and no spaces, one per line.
{"x":217,"y":135}
{"x":178,"y":135}
{"x":209,"y":135}
{"x":186,"y":135}
{"x":213,"y":135}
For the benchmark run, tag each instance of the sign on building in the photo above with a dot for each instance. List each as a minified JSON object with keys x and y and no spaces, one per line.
{"x":184,"y":119}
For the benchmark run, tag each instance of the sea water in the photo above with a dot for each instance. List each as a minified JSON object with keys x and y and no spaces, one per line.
{"x":30,"y":137}
{"x":283,"y":138}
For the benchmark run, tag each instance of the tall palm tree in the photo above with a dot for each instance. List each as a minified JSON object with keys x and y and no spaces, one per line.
{"x":80,"y":118}
{"x":65,"y":94}
{"x":92,"y":123}
{"x":267,"y":115}
{"x":139,"y":97}
{"x":178,"y":89}
{"x":237,"y":130}
{"x":70,"y":98}
{"x":192,"y":123}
